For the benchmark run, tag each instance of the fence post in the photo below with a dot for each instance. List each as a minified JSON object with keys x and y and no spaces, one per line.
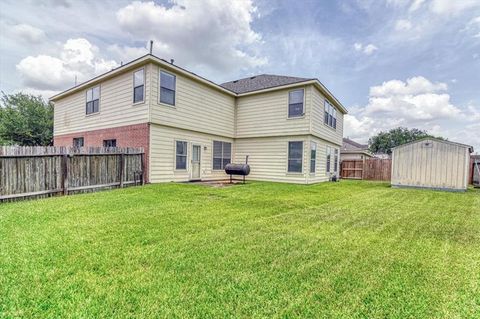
{"x":122,"y":168}
{"x":65,"y":173}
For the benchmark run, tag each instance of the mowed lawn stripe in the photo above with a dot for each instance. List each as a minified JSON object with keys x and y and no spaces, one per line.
{"x":349,"y":249}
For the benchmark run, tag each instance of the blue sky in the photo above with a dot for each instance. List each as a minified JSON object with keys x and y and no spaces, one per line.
{"x":414,"y":63}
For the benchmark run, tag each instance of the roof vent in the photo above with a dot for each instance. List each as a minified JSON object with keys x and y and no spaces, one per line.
{"x":171,"y":61}
{"x":253,"y":77}
{"x":235,"y":81}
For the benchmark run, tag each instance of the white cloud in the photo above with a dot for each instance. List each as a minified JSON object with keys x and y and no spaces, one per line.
{"x":452,"y":7}
{"x":414,"y":85}
{"x":24,"y":32}
{"x":473,"y":27}
{"x":416,"y":99}
{"x":416,"y":4}
{"x":367,"y":49}
{"x":78,"y":57}
{"x":125,"y":53}
{"x":403,"y":25}
{"x":421,"y":107}
{"x":416,"y":102}
{"x":211,"y":34}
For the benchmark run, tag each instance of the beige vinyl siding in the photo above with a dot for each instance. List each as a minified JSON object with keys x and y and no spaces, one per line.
{"x":162,"y":154}
{"x":318,"y":127}
{"x":198,"y":107}
{"x":320,"y":174}
{"x":266,"y":114}
{"x":116,"y":106}
{"x":268,"y":158}
{"x":443,"y":165}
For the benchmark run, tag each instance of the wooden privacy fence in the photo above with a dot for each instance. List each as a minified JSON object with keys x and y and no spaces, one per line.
{"x":352,"y":169}
{"x":369,"y":169}
{"x":48,"y":171}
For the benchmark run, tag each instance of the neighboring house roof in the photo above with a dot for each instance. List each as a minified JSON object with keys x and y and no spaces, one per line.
{"x":437,"y":140}
{"x":264,"y":82}
{"x":349,"y":144}
{"x":261,"y":82}
{"x":361,"y":152}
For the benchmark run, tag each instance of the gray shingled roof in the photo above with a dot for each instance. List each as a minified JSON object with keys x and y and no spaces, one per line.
{"x":260,"y":82}
{"x":350,"y":145}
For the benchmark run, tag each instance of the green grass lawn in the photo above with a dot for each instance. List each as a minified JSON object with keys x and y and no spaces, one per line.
{"x":332,"y":250}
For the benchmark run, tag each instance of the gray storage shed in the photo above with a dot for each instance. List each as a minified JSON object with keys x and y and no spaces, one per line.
{"x":431,"y":163}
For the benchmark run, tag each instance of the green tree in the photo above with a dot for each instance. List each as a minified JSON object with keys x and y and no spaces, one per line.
{"x":383,"y":142}
{"x":25,"y":120}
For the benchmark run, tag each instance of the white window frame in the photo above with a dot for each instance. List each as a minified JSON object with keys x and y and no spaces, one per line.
{"x":93,"y":100}
{"x":335,"y":158}
{"x":313,"y":147}
{"x":160,"y":88}
{"x":176,"y":154}
{"x":109,"y":139}
{"x":82,"y":138}
{"x":303,"y":105}
{"x":222,"y":167}
{"x":331,"y":112}
{"x":144,"y":86}
{"x":328,"y":160}
{"x":288,"y":157}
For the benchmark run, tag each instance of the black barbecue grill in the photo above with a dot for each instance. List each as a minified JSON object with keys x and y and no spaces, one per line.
{"x":238,"y":169}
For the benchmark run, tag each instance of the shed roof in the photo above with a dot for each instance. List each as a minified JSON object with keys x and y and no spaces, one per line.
{"x":437,"y":140}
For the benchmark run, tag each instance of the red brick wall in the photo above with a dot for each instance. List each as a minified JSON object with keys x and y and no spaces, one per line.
{"x":127,"y":136}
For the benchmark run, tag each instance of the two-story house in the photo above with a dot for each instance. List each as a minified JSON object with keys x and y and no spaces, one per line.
{"x":291,"y":128}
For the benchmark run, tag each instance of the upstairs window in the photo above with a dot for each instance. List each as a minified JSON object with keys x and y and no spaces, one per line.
{"x":330,"y":117}
{"x":93,"y":100}
{"x":181,"y":155}
{"x":334,"y":118}
{"x":295,"y":157}
{"x":295,"y":103}
{"x":139,"y":86}
{"x":167,"y":88}
{"x":78,"y":142}
{"x":222,"y":154}
{"x":110,"y":143}
{"x":313,"y":156}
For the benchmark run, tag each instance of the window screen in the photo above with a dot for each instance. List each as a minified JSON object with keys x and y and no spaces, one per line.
{"x":313,"y":156}
{"x":330,"y":115}
{"x":222,"y":154}
{"x":181,"y":155}
{"x":93,"y":100}
{"x":167,"y":88}
{"x":335,"y":164}
{"x":295,"y":157}
{"x":110,"y":143}
{"x":328,"y":159}
{"x":138,"y":86}
{"x":295,"y":103}
{"x":78,"y":142}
